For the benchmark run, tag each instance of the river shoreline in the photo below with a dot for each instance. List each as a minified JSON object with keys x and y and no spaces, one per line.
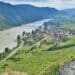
{"x":8,"y":37}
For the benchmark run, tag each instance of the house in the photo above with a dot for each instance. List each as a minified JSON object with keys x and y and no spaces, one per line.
{"x":72,"y":32}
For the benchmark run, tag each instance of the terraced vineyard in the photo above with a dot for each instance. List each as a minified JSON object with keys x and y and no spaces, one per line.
{"x":41,"y":61}
{"x":37,"y":37}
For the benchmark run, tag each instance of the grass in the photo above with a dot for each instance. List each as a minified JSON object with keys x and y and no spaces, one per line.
{"x":40,"y":61}
{"x":72,"y":26}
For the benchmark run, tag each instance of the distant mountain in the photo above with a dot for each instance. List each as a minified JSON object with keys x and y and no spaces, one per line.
{"x":70,"y":11}
{"x":14,"y":15}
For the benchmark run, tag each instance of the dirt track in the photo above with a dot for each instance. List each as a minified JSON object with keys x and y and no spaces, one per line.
{"x":14,"y":73}
{"x":13,"y":52}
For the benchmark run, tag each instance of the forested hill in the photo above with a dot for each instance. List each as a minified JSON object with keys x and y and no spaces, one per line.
{"x":13,"y":15}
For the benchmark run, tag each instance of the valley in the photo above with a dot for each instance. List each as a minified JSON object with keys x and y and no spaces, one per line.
{"x":8,"y":36}
{"x":43,"y":54}
{"x":35,"y":39}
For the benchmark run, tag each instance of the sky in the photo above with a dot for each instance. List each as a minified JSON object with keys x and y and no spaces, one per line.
{"x":59,"y":4}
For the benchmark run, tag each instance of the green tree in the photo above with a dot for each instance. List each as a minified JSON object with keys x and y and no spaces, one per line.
{"x":45,"y":25}
{"x":18,"y":39}
{"x":40,"y":27}
{"x":33,"y":32}
{"x":7,"y":50}
{"x":24,"y":33}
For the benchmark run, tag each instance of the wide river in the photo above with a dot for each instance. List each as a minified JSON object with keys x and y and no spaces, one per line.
{"x":8,"y":37}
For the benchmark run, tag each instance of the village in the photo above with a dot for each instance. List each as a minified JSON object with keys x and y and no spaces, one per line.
{"x":36,"y":41}
{"x":39,"y":35}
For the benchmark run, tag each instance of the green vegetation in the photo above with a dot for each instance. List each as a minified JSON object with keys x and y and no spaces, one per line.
{"x":42,"y":53}
{"x":71,"y":26}
{"x":19,"y":40}
{"x":40,"y":61}
{"x":7,"y":51}
{"x":46,"y":49}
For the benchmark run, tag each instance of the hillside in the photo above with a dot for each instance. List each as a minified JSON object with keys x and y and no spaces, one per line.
{"x":39,"y":52}
{"x":70,"y":11}
{"x":39,"y":61}
{"x":15,"y":15}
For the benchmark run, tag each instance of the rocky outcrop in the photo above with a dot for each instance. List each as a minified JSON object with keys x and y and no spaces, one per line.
{"x":68,"y":69}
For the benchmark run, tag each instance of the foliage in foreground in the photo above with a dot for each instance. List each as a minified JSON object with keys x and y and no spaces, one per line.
{"x":40,"y":61}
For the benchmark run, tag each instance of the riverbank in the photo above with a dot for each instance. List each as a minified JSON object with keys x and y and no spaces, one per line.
{"x":8,"y":36}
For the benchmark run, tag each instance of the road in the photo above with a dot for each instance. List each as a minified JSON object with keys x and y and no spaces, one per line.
{"x":37,"y":44}
{"x":17,"y":49}
{"x":13,"y":52}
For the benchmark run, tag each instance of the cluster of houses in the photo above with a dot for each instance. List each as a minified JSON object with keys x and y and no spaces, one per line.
{"x":57,"y":33}
{"x":72,"y":32}
{"x":36,"y":36}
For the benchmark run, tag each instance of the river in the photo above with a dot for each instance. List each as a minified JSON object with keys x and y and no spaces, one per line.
{"x":8,"y":37}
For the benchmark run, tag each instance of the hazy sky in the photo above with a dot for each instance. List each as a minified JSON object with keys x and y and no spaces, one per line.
{"x":60,"y":4}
